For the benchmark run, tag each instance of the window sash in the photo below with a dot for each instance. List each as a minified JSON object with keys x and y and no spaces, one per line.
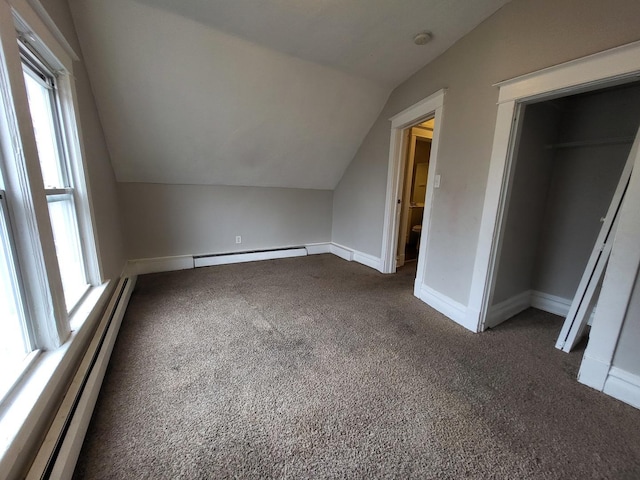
{"x":15,"y":328}
{"x":71,"y":261}
{"x":40,"y":82}
{"x":46,"y":80}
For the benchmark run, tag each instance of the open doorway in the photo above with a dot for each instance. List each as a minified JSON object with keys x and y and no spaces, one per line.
{"x":567,"y":164}
{"x":416,"y":172}
{"x":431,"y":107}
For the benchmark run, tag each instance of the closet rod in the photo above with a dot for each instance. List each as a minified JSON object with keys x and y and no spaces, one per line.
{"x":592,"y":143}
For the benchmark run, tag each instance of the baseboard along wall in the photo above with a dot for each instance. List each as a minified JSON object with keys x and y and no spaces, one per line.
{"x":456,"y":311}
{"x":609,"y":379}
{"x":60,"y":449}
{"x":546,"y":302}
{"x":184,"y":262}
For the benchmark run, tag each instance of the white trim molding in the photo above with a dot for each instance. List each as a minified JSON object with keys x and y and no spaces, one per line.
{"x":243,"y":257}
{"x":368,"y":260}
{"x":351,"y":255}
{"x":433,"y":106}
{"x":616,"y":64}
{"x":550,"y":303}
{"x":29,"y":408}
{"x":611,"y":380}
{"x":456,"y":311}
{"x":606,"y":68}
{"x":612,"y":67}
{"x":615,"y":295}
{"x":508,"y":308}
{"x":342,"y":252}
{"x":318,"y":248}
{"x":624,"y":386}
{"x":53,"y":28}
{"x":59,"y":452}
{"x":142,"y":266}
{"x":593,"y":372}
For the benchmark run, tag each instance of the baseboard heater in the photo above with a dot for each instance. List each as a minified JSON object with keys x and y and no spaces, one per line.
{"x":59,"y":452}
{"x":248,"y":256}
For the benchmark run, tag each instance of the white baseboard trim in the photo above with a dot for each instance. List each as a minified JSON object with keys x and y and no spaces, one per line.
{"x":342,"y":252}
{"x":624,"y":386}
{"x":227,"y":259}
{"x":447,"y":306}
{"x":610,"y":380}
{"x":158,"y":264}
{"x":318,"y":248}
{"x":554,"y":304}
{"x":368,"y":260}
{"x":60,"y":449}
{"x":550,"y":303}
{"x":593,"y":372}
{"x":355,"y":256}
{"x":504,"y":310}
{"x":182,"y":262}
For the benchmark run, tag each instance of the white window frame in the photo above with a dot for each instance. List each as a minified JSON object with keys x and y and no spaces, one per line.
{"x":28,"y":209}
{"x":37,"y":67}
{"x":59,"y":338}
{"x":29,"y":214}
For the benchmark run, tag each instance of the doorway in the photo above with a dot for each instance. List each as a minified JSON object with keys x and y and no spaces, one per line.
{"x":414,"y":192}
{"x":612,"y":67}
{"x":567,"y":163}
{"x":430,"y":107}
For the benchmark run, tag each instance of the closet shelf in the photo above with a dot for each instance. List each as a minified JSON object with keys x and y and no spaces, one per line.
{"x":592,"y":143}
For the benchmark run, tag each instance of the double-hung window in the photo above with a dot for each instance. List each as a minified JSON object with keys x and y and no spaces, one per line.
{"x":48,"y":253}
{"x":40,"y":82}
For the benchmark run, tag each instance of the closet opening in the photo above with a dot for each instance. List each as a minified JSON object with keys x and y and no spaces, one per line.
{"x":569,"y":154}
{"x":416,"y":168}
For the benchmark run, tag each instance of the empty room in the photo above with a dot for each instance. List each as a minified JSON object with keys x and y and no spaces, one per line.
{"x":319,"y":239}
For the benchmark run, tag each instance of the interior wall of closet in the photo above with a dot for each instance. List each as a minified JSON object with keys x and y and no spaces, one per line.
{"x":567,"y":165}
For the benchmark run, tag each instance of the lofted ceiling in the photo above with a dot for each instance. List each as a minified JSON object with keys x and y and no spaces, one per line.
{"x":368,"y":38}
{"x":253,"y":92}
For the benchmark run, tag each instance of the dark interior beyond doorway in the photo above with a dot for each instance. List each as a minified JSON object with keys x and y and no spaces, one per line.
{"x":571,"y":152}
{"x":417,"y":198}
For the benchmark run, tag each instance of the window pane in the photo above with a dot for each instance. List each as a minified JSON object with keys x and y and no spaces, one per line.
{"x":65,"y":234}
{"x":13,"y":338}
{"x":42,"y":116}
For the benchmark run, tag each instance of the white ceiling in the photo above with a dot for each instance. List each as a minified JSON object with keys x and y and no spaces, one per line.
{"x":368,"y":38}
{"x":276,"y":93}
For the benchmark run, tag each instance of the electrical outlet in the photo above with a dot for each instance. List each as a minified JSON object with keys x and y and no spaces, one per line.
{"x":238,"y":239}
{"x":436,"y":183}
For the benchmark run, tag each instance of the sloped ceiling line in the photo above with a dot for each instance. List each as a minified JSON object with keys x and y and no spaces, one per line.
{"x":255,"y":93}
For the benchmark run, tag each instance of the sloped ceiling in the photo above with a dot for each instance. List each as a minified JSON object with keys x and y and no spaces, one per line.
{"x":253,"y":92}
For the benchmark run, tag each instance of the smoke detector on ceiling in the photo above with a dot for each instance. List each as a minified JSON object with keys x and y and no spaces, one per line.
{"x":422,"y":38}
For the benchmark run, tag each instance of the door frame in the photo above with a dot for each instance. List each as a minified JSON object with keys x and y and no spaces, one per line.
{"x":616,"y":66}
{"x":431,"y":106}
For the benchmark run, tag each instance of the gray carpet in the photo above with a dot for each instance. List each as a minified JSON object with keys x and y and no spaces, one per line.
{"x":318,"y":368}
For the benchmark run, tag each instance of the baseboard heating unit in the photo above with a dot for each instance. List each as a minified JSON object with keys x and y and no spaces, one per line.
{"x":59,"y":452}
{"x":251,"y":256}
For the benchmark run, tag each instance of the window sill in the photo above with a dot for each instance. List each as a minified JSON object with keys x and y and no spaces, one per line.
{"x":26,"y":411}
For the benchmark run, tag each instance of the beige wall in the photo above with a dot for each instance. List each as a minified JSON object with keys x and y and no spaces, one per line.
{"x":183,"y":103}
{"x":100,"y":174}
{"x":165,"y":220}
{"x":582,"y":185}
{"x":522,"y":37}
{"x":525,"y":215}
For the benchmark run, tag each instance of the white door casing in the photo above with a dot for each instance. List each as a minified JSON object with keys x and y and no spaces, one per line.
{"x":432,"y":106}
{"x":616,"y":66}
{"x":611,"y":67}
